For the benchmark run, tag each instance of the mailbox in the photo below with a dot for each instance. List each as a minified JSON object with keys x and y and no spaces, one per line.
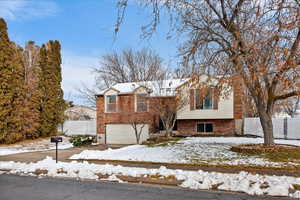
{"x":56,"y":139}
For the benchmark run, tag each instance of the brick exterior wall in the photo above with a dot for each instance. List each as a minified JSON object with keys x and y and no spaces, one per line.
{"x":125,"y":112}
{"x":188,"y":127}
{"x":124,"y":115}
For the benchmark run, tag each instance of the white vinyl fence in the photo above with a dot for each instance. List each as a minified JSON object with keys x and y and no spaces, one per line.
{"x":288,"y":128}
{"x":77,"y":127}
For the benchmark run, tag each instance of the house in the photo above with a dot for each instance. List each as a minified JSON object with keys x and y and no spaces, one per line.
{"x":203,"y":114}
{"x":80,"y":113}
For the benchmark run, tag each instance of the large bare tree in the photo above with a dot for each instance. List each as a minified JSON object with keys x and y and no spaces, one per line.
{"x":166,"y":101}
{"x":127,"y":66}
{"x":290,"y":106}
{"x":257,"y":40}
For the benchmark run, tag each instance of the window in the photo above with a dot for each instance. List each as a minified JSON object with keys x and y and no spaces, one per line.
{"x":204,"y":101}
{"x":161,"y":90}
{"x":111,"y":103}
{"x":141,"y":103}
{"x":205,"y":128}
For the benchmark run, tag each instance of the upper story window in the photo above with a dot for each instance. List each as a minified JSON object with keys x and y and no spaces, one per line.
{"x":141,"y":103}
{"x":204,"y":101}
{"x":111,"y":103}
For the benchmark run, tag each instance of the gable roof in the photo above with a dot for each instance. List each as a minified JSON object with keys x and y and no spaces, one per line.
{"x":154,"y":86}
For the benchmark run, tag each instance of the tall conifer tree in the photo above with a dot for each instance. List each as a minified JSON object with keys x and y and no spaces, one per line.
{"x":31,"y":98}
{"x":44,"y":85}
{"x":60,"y":104}
{"x":32,"y":101}
{"x":11,"y":88}
{"x":53,"y":104}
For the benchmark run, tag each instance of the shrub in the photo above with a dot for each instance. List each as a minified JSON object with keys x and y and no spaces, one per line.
{"x":81,"y":140}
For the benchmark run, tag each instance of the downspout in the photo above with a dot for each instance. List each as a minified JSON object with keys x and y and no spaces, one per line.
{"x":104,"y":133}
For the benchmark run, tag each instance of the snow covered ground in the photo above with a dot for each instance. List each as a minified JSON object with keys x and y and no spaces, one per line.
{"x":41,"y":145}
{"x":240,"y":182}
{"x":213,"y":150}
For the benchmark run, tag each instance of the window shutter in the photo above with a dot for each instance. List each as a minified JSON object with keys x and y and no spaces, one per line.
{"x":192,"y":101}
{"x":215,"y":99}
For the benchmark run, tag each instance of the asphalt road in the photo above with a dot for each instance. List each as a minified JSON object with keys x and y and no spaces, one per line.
{"x":31,"y":188}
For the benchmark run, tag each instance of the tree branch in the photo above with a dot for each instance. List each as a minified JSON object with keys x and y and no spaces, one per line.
{"x":287,"y":95}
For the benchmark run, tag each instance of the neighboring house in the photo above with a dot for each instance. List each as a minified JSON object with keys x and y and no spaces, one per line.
{"x":80,"y":113}
{"x":207,"y":114}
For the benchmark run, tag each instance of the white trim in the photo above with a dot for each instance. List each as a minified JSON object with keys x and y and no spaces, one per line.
{"x":105,"y":103}
{"x":135,"y":103}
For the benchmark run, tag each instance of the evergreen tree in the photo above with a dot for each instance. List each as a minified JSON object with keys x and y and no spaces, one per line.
{"x":53,"y":104}
{"x":32,"y":101}
{"x":11,"y":88}
{"x":60,"y":104}
{"x":44,"y":81}
{"x":31,"y":98}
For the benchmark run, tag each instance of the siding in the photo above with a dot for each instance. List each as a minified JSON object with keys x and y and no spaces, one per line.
{"x":225,"y":111}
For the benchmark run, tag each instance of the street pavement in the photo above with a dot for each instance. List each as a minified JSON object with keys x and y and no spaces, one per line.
{"x":32,"y":188}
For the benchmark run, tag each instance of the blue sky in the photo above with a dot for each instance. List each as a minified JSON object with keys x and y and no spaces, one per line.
{"x":85,"y":30}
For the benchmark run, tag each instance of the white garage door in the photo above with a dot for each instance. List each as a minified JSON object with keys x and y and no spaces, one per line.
{"x":124,"y":134}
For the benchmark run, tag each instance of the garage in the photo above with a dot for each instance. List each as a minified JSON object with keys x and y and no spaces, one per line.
{"x":124,"y":134}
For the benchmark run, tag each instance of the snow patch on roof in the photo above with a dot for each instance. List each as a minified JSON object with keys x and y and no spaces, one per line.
{"x":158,"y":88}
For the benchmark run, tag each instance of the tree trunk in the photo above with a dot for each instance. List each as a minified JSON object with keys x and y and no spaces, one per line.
{"x":267,"y":126}
{"x":168,"y":132}
{"x":137,"y":139}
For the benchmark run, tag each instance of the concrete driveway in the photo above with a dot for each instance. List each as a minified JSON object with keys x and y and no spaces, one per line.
{"x":63,"y":154}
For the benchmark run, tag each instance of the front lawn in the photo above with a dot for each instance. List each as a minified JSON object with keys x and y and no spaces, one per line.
{"x":277,"y":153}
{"x":208,"y":150}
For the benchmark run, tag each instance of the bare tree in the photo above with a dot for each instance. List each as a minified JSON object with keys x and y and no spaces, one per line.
{"x":166,"y":102}
{"x":127,"y":66}
{"x":138,"y":127}
{"x":167,"y":108}
{"x":290,"y":106}
{"x":88,"y":94}
{"x":249,"y":108}
{"x":130,"y":66}
{"x":256,"y":40}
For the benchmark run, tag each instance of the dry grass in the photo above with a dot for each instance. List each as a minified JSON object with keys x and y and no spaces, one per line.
{"x":162,"y":141}
{"x":40,"y":171}
{"x":276,"y":153}
{"x":101,"y":176}
{"x":152,"y":179}
{"x":61,"y":171}
{"x":296,"y":187}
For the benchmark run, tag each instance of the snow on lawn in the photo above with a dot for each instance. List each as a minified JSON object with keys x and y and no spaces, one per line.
{"x":213,"y":150}
{"x":240,"y":182}
{"x":40,"y":145}
{"x":237,"y":140}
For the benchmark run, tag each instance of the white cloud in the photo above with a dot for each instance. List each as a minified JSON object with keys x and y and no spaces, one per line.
{"x":77,"y":70}
{"x":26,"y":9}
